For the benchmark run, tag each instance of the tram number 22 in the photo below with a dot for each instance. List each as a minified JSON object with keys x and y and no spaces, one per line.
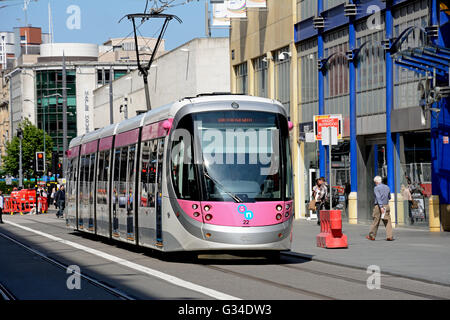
{"x":246,"y":222}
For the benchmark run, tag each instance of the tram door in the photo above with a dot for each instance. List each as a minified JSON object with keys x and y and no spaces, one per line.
{"x":159,"y":233}
{"x":123,"y":193}
{"x":83,"y":214}
{"x":90,"y":193}
{"x":102,"y":201}
{"x":147,"y":192}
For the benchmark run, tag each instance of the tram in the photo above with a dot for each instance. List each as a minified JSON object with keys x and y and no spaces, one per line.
{"x":212,"y":172}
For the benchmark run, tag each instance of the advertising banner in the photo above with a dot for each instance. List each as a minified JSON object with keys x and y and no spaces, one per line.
{"x":325,"y":121}
{"x":256,"y":3}
{"x":224,"y":12}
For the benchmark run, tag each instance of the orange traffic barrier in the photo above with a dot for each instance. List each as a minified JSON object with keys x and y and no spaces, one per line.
{"x":7,"y":205}
{"x":22,"y":201}
{"x":42,"y":205}
{"x":331,"y":235}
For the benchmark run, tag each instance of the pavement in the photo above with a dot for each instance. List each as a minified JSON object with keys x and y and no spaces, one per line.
{"x":415,"y":253}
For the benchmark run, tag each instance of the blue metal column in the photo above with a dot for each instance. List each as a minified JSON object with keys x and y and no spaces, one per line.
{"x":352,"y":96}
{"x":435,"y":185}
{"x":389,"y":100}
{"x":322,"y":153}
{"x":440,"y":124}
{"x":398,"y":172}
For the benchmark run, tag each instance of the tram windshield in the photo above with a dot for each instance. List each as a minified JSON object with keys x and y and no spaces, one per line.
{"x":239,"y":157}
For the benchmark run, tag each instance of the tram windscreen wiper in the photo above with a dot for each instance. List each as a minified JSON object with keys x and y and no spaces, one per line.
{"x":232,"y":195}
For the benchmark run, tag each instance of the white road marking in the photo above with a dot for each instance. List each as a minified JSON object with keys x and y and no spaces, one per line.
{"x":154,"y":273}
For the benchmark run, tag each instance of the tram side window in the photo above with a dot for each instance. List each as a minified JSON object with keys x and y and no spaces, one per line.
{"x":107,"y":162}
{"x":183,"y":171}
{"x":86,"y":178}
{"x":131,"y":175}
{"x":82,"y":168}
{"x":74,"y":177}
{"x":91,"y":177}
{"x":148,"y":173}
{"x":100,"y":185}
{"x":289,"y":184}
{"x":123,"y":178}
{"x":116,"y":176}
{"x":69,"y":176}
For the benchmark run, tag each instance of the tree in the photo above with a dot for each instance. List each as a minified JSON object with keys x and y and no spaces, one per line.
{"x":33,"y":141}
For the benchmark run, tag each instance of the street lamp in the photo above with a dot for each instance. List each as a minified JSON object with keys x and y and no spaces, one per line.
{"x":20,"y":136}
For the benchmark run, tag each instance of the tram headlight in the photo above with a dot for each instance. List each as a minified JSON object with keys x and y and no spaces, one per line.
{"x":279,"y":216}
{"x":195,"y":206}
{"x":279,"y":207}
{"x":288,"y":206}
{"x":207,"y":208}
{"x":196,"y":214}
{"x":208,"y":217}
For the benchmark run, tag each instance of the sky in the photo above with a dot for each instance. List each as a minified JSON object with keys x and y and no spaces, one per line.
{"x":99,"y":20}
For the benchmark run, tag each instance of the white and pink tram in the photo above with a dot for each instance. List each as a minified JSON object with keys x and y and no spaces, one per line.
{"x":206,"y":173}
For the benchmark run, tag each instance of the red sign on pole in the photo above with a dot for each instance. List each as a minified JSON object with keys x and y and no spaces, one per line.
{"x":325,"y":121}
{"x":445,"y":138}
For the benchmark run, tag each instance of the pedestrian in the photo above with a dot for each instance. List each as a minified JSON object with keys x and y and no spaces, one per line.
{"x":381,"y":210}
{"x":56,"y":199}
{"x":406,"y":194}
{"x":61,"y":198}
{"x":320,"y":193}
{"x":347,"y":191}
{"x":52,"y":196}
{"x":2,"y":206}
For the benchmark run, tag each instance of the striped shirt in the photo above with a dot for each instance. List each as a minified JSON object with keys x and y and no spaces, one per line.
{"x":382,"y":194}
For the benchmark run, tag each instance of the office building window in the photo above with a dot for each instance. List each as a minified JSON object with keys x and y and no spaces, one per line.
{"x":336,"y":76}
{"x":331,"y":4}
{"x":370,"y":71}
{"x":261,"y":83}
{"x":406,"y":81}
{"x":282,"y":58}
{"x":50,"y":105}
{"x":306,"y":9}
{"x":308,"y":76}
{"x":241,"y":78}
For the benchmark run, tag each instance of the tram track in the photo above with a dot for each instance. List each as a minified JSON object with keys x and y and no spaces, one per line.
{"x":95,"y":282}
{"x":246,"y":276}
{"x":5,"y":294}
{"x":292,"y":257}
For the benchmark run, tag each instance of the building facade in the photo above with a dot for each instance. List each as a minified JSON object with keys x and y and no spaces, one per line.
{"x":198,"y":66}
{"x":4,"y":113}
{"x":37,"y":88}
{"x":347,"y":58}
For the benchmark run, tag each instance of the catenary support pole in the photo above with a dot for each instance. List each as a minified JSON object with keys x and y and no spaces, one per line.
{"x":353,"y":197}
{"x":64,"y":90}
{"x":322,"y":153}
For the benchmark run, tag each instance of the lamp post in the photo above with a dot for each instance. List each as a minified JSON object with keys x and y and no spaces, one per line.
{"x":20,"y":136}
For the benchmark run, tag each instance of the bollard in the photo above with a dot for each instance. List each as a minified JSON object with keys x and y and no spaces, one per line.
{"x":331,"y":235}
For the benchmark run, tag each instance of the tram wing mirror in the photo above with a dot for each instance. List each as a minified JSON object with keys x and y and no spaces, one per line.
{"x":290,"y":125}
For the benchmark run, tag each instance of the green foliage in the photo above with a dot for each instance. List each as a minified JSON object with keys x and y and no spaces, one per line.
{"x":33,"y":141}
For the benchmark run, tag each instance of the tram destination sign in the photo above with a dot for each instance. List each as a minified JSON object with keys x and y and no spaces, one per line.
{"x":326,"y":121}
